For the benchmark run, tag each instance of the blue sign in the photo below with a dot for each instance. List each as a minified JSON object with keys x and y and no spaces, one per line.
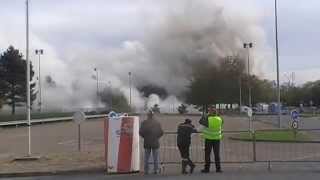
{"x":113,"y":114}
{"x":294,"y":115}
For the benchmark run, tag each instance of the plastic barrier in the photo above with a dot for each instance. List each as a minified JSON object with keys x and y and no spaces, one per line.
{"x":121,"y":143}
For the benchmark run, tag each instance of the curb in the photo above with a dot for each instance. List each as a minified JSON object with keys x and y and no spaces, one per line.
{"x":53,"y":173}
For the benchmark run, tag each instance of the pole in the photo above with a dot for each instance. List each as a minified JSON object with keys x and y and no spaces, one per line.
{"x":249,"y":83}
{"x":79,"y":137}
{"x":130,"y":89}
{"x":249,"y":86}
{"x":28,"y":78}
{"x":277,"y":57}
{"x":97,"y":83}
{"x":240,"y":94}
{"x":40,"y":102}
{"x":111,"y":95}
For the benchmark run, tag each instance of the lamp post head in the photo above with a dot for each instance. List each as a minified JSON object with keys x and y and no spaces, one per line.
{"x":39,"y":51}
{"x":247,"y":45}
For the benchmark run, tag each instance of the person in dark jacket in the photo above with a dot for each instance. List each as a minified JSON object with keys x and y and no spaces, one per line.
{"x":151,"y":132}
{"x":183,"y":141}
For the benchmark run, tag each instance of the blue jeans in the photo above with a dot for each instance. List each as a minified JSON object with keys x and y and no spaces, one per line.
{"x":155,"y":156}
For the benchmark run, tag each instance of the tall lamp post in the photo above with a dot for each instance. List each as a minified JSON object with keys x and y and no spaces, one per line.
{"x":28,"y":79}
{"x":110,"y":86}
{"x":277,"y":57}
{"x":97,"y":78}
{"x":248,"y":46}
{"x":39,"y":52}
{"x":130,"y":89}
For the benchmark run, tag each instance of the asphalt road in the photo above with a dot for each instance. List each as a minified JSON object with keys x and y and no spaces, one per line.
{"x":224,"y":176}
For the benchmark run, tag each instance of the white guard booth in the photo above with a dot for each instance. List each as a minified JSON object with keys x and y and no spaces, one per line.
{"x":121,"y":137}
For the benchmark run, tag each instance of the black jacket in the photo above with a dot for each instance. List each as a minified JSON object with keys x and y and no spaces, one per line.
{"x":151,"y":131}
{"x":184,"y":133}
{"x":204,"y":121}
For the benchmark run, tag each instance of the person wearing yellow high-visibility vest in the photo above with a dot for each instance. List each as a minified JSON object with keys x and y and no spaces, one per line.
{"x":212,"y":134}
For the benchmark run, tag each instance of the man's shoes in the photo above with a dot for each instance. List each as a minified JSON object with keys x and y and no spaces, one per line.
{"x":192,"y":166}
{"x":219,"y":171}
{"x":205,"y":170}
{"x":184,"y":166}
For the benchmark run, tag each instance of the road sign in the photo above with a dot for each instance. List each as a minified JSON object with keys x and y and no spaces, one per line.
{"x":294,"y":115}
{"x":79,"y":117}
{"x":113,"y":114}
{"x":295,"y":124}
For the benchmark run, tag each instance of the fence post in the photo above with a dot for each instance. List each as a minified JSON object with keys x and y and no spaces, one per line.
{"x":253,"y":133}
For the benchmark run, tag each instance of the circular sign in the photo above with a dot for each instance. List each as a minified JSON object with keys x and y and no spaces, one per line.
{"x":294,"y":115}
{"x":295,"y":125}
{"x":79,"y":117}
{"x":249,"y":112}
{"x":112,"y":114}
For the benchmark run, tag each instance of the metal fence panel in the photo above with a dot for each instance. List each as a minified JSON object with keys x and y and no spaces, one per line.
{"x":239,"y":151}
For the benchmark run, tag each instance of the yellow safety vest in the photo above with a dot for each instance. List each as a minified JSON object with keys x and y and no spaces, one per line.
{"x":214,"y":129}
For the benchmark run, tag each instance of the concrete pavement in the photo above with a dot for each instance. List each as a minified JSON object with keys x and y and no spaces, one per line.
{"x":224,"y":176}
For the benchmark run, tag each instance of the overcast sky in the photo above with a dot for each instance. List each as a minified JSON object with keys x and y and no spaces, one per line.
{"x":298,"y":26}
{"x":75,"y":34}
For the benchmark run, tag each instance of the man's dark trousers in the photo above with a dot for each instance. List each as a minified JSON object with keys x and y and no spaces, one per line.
{"x":215,"y":145}
{"x":184,"y":151}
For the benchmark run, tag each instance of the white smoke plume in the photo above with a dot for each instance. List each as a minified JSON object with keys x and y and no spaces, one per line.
{"x":157,"y":41}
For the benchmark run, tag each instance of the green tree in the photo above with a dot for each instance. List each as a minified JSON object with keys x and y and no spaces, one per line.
{"x":218,"y":83}
{"x":13,"y":79}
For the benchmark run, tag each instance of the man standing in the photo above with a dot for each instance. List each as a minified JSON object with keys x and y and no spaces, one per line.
{"x":212,"y":133}
{"x":151,"y":132}
{"x":183,"y":141}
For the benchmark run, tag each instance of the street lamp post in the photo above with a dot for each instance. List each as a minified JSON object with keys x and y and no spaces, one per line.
{"x":110,"y":86}
{"x":240,"y":94}
{"x":97,"y":78}
{"x":28,"y":79}
{"x":39,"y":52}
{"x":130,"y":89}
{"x":277,"y":57}
{"x":248,"y":46}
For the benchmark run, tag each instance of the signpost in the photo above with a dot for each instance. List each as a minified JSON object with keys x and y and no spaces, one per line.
{"x":78,"y":118}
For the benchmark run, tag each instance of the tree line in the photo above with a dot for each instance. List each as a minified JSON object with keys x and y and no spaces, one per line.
{"x":220,"y":84}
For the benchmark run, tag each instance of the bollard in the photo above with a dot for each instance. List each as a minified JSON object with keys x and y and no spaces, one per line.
{"x":253,"y":133}
{"x":269,"y":166}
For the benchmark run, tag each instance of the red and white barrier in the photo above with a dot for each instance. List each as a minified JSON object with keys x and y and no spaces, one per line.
{"x":122,"y":144}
